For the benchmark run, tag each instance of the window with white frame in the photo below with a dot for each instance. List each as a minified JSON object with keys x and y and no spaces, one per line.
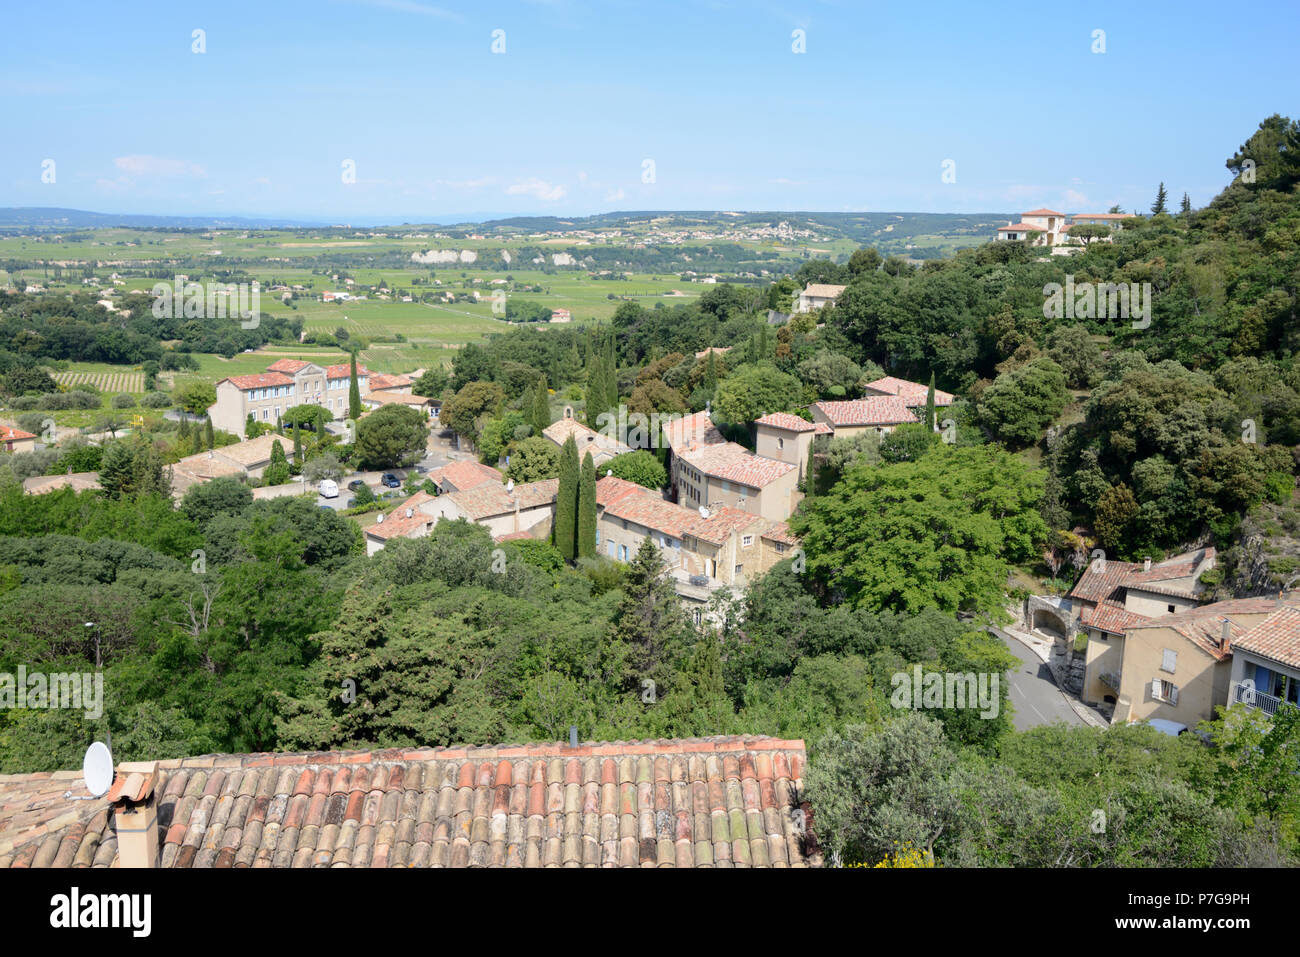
{"x":1165,"y":691}
{"x":746,"y":541}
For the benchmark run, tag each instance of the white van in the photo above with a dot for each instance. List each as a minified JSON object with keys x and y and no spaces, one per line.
{"x":329,"y":488}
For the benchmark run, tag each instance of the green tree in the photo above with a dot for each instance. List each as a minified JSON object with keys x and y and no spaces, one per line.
{"x":541,"y":408}
{"x":565,"y":530}
{"x":464,"y":412}
{"x":649,"y":621}
{"x":755,"y":390}
{"x":277,"y":473}
{"x":533,"y":459}
{"x":640,"y":467}
{"x":940,"y":531}
{"x":354,"y":391}
{"x":391,"y":436}
{"x":587,"y":508}
{"x":1158,"y":208}
{"x":132,"y":467}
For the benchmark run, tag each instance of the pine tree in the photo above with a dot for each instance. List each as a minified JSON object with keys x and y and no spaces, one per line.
{"x":929,"y":405}
{"x":564,"y":534}
{"x":209,"y":436}
{"x":354,"y":392}
{"x":649,"y":620}
{"x":1186,"y":207}
{"x":1162,"y":196}
{"x":541,"y":412}
{"x":587,"y":508}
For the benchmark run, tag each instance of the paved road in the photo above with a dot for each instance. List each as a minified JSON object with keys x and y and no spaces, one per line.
{"x":1033,"y":691}
{"x":436,"y":456}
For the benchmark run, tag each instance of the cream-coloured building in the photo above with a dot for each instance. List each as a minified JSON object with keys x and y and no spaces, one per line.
{"x":243,"y":460}
{"x":787,"y":438}
{"x":707,"y":470}
{"x":815,"y":295}
{"x":602,"y":447}
{"x":286,"y":383}
{"x":704,"y":550}
{"x":502,"y":509}
{"x":16,"y":440}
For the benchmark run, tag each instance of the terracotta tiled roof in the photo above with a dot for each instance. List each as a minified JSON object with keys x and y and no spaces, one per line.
{"x":1098,"y":586}
{"x":396,"y":398}
{"x":611,"y":488}
{"x":701,"y":802}
{"x":723,"y":520}
{"x":641,"y":506}
{"x":873,"y":410}
{"x":786,"y":421}
{"x":1020,"y":228}
{"x":1111,"y":617}
{"x":1203,"y":626}
{"x":488,"y":499}
{"x":10,"y":434}
{"x":824,"y":429}
{"x":381,"y":380}
{"x":289,"y":366}
{"x":245,"y":455}
{"x":1077,"y":217}
{"x":780,"y":532}
{"x":77,"y":481}
{"x":464,"y":475}
{"x":1100,"y":580}
{"x":397,"y":524}
{"x":1042,"y":212}
{"x":344,"y":371}
{"x":735,"y":463}
{"x":1276,"y":638}
{"x":261,"y":380}
{"x":913,"y":393}
{"x":691,"y":431}
{"x":585,"y":438}
{"x":822,"y":290}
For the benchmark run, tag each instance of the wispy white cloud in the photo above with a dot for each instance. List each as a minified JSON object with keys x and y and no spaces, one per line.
{"x":141,"y":164}
{"x":410,"y":6}
{"x":546,"y":192}
{"x":614,"y":195}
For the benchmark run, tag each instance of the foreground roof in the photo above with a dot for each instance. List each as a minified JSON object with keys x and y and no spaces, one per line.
{"x":823,"y":290}
{"x":1277,"y":637}
{"x":700,"y":802}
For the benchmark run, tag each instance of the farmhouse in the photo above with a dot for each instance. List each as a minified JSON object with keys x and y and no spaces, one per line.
{"x":16,"y":440}
{"x":816,"y":295}
{"x":602,"y":447}
{"x":286,"y":383}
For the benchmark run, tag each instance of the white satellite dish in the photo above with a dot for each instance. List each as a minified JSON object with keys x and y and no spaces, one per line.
{"x":97,"y":769}
{"x":609,"y":473}
{"x":510,"y":486}
{"x":704,"y":512}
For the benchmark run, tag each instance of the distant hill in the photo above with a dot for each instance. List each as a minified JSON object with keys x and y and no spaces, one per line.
{"x":54,"y":217}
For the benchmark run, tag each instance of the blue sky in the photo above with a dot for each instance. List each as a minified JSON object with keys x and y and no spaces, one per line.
{"x":563,"y":121}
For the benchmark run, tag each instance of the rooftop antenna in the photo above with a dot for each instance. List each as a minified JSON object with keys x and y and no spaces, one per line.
{"x":96,"y":772}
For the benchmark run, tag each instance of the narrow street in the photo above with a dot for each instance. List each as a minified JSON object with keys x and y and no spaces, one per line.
{"x":1033,"y":690}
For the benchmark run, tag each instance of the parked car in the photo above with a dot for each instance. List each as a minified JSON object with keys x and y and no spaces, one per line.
{"x":356,"y":485}
{"x":390,"y":480}
{"x":329,"y":488}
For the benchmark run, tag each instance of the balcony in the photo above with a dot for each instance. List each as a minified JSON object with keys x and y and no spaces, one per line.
{"x":1240,"y":692}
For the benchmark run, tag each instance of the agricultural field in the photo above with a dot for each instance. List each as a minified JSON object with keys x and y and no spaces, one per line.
{"x":113,"y":380}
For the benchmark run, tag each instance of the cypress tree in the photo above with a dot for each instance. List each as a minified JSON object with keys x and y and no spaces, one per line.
{"x":587,"y":508}
{"x":354,"y":392}
{"x":183,"y":433}
{"x":929,"y":405}
{"x":810,"y":476}
{"x":297,"y":444}
{"x":209,"y":436}
{"x":541,"y":413}
{"x":564,"y":534}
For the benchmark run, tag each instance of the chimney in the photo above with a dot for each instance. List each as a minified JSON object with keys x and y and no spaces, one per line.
{"x":1225,"y":643}
{"x":135,"y":813}
{"x":573,"y":735}
{"x":1146,"y":564}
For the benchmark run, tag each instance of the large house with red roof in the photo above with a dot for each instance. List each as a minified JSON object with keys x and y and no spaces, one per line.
{"x":266,"y":396}
{"x":1047,"y":227}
